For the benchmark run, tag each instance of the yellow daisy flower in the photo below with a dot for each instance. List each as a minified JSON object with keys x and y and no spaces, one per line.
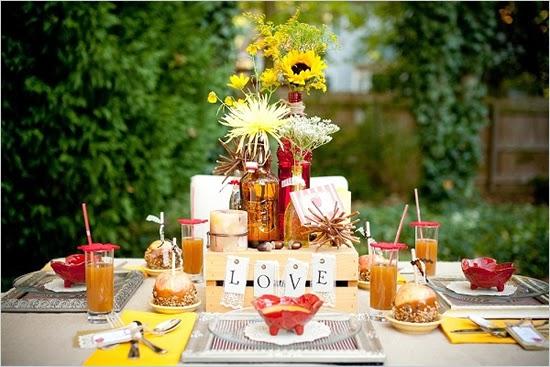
{"x":229,"y":101}
{"x":271,"y":46}
{"x":240,"y":101}
{"x":301,"y":67}
{"x":254,"y":121}
{"x":269,"y":78}
{"x":238,"y":82}
{"x":212,"y":97}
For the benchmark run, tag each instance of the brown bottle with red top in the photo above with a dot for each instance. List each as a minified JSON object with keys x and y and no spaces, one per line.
{"x":259,"y":194}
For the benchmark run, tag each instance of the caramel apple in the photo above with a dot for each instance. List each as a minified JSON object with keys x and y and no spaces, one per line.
{"x":158,"y":255}
{"x":174,"y":290}
{"x":415,"y":303}
{"x":365,"y":263}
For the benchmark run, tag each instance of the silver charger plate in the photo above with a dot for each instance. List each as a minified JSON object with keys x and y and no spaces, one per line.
{"x":359,"y":345}
{"x":526,"y":287}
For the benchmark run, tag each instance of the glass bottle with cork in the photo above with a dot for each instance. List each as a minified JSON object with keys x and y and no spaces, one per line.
{"x":259,"y":194}
{"x":294,"y":231}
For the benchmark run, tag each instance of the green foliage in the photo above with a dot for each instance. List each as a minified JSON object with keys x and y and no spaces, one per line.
{"x":104,"y":103}
{"x":379,"y":156}
{"x":444,"y":50}
{"x":506,"y":232}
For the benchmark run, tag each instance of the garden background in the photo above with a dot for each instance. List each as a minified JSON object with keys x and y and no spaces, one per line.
{"x":105,"y":103}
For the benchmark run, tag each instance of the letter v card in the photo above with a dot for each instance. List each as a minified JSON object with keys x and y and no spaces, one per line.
{"x":295,"y":277}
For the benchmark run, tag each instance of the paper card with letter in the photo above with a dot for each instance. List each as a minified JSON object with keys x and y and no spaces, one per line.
{"x":266,"y":277}
{"x":295,"y":277}
{"x":323,"y":274}
{"x":323,"y":197}
{"x":234,"y":285}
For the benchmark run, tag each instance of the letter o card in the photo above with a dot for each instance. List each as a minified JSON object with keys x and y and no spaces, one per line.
{"x":266,"y":274}
{"x":236,"y":271}
{"x":323,"y":272}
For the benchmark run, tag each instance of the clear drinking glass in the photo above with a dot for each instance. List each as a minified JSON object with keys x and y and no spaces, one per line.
{"x":99,"y":280}
{"x":426,"y":243}
{"x":193,"y":249}
{"x":383,"y":277}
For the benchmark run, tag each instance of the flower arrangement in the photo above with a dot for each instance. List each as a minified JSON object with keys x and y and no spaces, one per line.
{"x":307,"y":134}
{"x":296,"y":50}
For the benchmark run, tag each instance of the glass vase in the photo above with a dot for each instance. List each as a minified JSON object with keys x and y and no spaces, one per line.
{"x":286,"y":161}
{"x":294,"y":231}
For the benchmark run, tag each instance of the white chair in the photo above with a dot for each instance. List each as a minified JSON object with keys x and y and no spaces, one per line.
{"x":208,"y":193}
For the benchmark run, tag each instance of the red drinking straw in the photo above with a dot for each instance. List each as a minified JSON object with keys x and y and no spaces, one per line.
{"x":401,"y":224}
{"x":87,"y":224}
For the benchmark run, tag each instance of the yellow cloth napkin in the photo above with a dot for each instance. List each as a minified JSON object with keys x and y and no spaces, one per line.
{"x":136,"y":267}
{"x":451,"y":323}
{"x":174,"y":342}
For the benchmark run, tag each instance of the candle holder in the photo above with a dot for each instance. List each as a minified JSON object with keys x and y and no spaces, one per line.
{"x":228,"y":230}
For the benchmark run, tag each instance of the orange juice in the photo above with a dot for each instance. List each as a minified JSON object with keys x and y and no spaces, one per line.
{"x":192,"y":255}
{"x":426,"y":250}
{"x":383,"y":285}
{"x":100,"y":287}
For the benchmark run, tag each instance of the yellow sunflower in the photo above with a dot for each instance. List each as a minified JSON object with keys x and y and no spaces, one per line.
{"x":302,"y":67}
{"x":255,"y":121}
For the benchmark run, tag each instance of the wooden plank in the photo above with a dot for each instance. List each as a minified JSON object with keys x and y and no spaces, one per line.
{"x":346,"y":299}
{"x":346,"y":261}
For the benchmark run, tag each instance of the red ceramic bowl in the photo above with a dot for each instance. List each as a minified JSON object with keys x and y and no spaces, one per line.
{"x":485,"y":272}
{"x":72,"y":270}
{"x":287,"y":312}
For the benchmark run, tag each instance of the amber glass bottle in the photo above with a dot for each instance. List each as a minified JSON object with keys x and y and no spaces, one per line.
{"x":259,"y":193}
{"x":294,"y":230}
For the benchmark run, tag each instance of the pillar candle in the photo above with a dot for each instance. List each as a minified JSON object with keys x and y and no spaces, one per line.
{"x":228,"y":230}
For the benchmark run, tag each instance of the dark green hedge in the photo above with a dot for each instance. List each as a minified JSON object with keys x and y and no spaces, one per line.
{"x":104,"y":103}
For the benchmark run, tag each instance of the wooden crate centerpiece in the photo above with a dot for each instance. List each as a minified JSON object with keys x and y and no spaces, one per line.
{"x":345,"y":279}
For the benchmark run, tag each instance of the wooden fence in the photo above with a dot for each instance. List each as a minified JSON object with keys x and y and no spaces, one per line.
{"x":514,"y":144}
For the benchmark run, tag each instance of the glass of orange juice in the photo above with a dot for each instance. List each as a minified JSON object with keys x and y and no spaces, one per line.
{"x":100,"y":283}
{"x":383,"y":277}
{"x":193,"y":248}
{"x":426,"y":243}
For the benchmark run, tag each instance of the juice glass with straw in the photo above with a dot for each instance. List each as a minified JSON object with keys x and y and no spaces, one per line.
{"x":426,"y":243}
{"x":193,"y":248}
{"x":99,"y":280}
{"x":383,"y":277}
{"x":100,"y":283}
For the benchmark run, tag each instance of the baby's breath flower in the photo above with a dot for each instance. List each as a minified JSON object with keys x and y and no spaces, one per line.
{"x":307,"y":134}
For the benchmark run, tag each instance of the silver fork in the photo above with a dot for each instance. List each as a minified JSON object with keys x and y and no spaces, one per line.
{"x":114,"y":320}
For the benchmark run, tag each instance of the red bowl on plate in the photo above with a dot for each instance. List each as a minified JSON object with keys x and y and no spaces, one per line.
{"x":287,"y":313}
{"x":72,"y":270}
{"x":485,"y":272}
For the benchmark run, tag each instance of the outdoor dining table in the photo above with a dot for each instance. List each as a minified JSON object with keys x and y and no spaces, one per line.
{"x":47,"y":338}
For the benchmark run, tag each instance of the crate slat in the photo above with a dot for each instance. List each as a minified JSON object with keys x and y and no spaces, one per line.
{"x":346,"y":273}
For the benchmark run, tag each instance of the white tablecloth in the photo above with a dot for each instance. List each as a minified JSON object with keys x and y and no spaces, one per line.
{"x":46,"y":339}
